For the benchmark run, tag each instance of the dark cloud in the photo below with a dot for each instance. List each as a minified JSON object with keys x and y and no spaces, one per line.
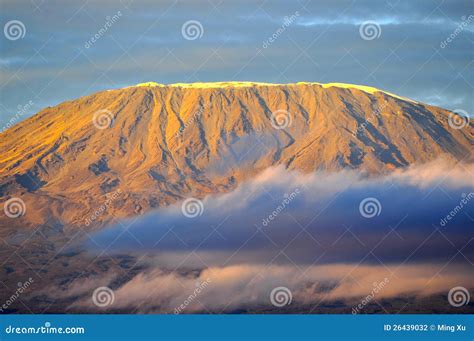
{"x":313,"y":218}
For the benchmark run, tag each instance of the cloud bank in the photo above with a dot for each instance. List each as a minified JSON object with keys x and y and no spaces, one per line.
{"x":239,"y":287}
{"x":289,"y":217}
{"x":307,"y":235}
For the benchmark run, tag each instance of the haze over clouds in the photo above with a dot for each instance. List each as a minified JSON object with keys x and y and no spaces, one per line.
{"x":223,"y":289}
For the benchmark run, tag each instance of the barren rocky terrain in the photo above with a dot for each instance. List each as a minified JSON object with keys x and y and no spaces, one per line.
{"x":131,"y":150}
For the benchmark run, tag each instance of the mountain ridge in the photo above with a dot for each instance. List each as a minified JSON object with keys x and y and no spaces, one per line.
{"x":159,"y":144}
{"x":213,"y":85}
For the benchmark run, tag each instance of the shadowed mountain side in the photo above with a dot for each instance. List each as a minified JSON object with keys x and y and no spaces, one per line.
{"x":130,"y":150}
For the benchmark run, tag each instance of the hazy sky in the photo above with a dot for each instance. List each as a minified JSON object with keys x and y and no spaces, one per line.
{"x":407,"y":52}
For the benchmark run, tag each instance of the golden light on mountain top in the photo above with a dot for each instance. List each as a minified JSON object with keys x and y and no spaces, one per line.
{"x":158,"y":143}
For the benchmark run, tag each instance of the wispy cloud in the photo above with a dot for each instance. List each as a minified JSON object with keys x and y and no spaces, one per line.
{"x":381,"y":20}
{"x":250,"y":286}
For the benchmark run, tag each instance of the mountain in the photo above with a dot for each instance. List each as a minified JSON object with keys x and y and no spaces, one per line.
{"x":119,"y":153}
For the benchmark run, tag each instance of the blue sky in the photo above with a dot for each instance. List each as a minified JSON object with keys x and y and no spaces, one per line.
{"x":316,"y":41}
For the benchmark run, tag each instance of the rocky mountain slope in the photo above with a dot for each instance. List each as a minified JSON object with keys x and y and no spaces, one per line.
{"x":123,"y":152}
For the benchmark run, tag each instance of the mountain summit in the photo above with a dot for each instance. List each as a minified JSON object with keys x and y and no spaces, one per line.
{"x":153,"y":144}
